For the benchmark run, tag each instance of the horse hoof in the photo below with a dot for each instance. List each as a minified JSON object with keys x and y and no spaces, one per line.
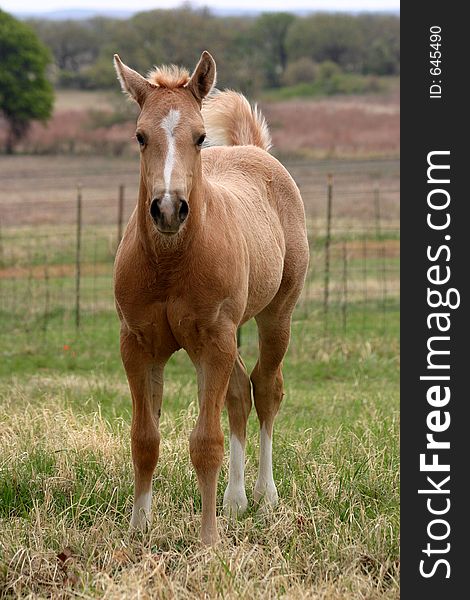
{"x":140,"y":522}
{"x":265,"y":497}
{"x":210,"y":538}
{"x":235,"y":502}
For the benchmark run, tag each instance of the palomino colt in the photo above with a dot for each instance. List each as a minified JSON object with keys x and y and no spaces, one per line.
{"x":217,"y":237}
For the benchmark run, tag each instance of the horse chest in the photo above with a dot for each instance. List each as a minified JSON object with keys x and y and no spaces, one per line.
{"x":164,"y":319}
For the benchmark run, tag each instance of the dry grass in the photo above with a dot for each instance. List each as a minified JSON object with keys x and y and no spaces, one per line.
{"x":64,"y":532}
{"x":86,"y":100}
{"x":73,"y":132}
{"x":65,"y":471}
{"x":339,"y":127}
{"x":345,"y":127}
{"x":42,"y":190}
{"x":66,"y":475}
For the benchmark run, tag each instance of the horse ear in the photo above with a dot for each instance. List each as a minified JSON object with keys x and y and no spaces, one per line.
{"x":204,"y":77}
{"x":132,"y":83}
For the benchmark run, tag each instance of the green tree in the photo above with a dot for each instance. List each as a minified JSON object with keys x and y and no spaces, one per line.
{"x":25,"y":92}
{"x":177,"y":36}
{"x":74,"y":45}
{"x":324,"y":36}
{"x":381,"y":44}
{"x":269,"y":36}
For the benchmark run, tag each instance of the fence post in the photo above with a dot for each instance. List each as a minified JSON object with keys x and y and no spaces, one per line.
{"x":2,"y":264}
{"x":378,"y":229}
{"x":120,"y":214}
{"x":326,"y":286}
{"x":47,"y":295}
{"x":29,"y":289}
{"x":382,"y":253}
{"x":364,"y":279}
{"x":1,"y":247}
{"x":345,"y":286}
{"x":77,"y":256}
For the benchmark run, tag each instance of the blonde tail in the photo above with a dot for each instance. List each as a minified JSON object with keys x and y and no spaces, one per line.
{"x":230,"y":120}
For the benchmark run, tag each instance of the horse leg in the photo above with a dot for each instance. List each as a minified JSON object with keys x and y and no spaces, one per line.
{"x":268,"y":390}
{"x":145,"y":378}
{"x":206,"y":442}
{"x":238,"y":402}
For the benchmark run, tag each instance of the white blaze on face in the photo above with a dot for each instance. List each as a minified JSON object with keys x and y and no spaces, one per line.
{"x":168,"y":125}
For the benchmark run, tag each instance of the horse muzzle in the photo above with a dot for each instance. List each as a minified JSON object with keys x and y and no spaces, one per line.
{"x":169,"y":212}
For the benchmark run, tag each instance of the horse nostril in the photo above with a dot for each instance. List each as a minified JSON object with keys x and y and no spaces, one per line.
{"x":155,"y":209}
{"x":183,"y":211}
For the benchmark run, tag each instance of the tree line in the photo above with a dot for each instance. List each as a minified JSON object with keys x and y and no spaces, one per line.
{"x":26,"y":94}
{"x":252,"y":53}
{"x":325,"y":53}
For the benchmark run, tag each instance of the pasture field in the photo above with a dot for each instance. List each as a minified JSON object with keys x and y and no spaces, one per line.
{"x":66,"y":475}
{"x":350,"y":126}
{"x":65,"y":465}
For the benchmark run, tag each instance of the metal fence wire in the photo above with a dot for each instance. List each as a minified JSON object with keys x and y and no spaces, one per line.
{"x":56,"y":257}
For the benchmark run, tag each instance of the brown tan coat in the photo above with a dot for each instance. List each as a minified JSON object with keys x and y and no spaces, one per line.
{"x":217,"y":237}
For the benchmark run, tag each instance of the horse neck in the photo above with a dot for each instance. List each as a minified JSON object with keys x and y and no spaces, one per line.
{"x":153,"y":244}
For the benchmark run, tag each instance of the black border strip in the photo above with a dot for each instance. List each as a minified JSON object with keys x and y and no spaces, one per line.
{"x":434,"y":124}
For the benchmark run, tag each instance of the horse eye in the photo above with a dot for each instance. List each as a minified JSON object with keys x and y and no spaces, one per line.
{"x":140,"y":138}
{"x":201,"y":140}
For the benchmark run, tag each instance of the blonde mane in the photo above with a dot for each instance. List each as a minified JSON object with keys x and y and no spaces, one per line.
{"x":170,"y":77}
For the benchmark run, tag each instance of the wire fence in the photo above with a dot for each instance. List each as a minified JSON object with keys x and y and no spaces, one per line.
{"x":56,"y":257}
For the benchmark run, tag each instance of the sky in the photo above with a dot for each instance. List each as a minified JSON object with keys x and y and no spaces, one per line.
{"x":19,"y":6}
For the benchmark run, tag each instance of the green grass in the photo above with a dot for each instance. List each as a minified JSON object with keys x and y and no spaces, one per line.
{"x":66,"y":475}
{"x":45,"y":247}
{"x":38,"y":299}
{"x":65,"y":467}
{"x":341,"y":83}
